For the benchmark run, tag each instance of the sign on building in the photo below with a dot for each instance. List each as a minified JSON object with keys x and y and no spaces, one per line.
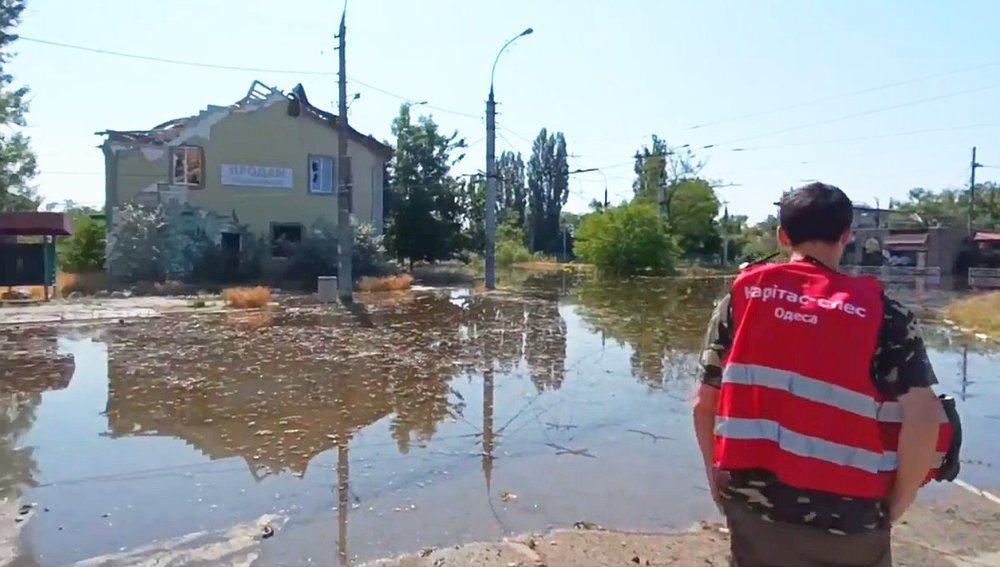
{"x":242,"y":175}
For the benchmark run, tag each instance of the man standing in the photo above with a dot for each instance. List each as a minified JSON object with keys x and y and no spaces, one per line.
{"x":815,"y":414}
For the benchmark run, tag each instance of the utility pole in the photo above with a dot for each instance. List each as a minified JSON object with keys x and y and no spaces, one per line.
{"x":972,"y":193}
{"x":490,"y":214}
{"x":345,"y":232}
{"x":491,"y":191}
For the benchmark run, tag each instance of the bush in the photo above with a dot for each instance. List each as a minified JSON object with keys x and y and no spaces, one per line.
{"x":83,"y":251}
{"x":213,"y":264}
{"x":510,"y":248}
{"x":316,"y":255}
{"x":247,"y":297}
{"x":627,"y":240}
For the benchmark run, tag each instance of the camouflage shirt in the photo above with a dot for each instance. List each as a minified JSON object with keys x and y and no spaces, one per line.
{"x":900,"y":363}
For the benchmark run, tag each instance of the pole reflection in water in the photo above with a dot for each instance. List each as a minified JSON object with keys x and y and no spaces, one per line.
{"x":488,"y":428}
{"x":343,"y":491}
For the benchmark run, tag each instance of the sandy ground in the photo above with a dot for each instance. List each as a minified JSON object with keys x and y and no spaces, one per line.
{"x":61,"y":311}
{"x":954,"y":528}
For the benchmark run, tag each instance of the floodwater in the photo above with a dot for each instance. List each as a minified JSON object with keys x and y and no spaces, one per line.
{"x":425,"y":419}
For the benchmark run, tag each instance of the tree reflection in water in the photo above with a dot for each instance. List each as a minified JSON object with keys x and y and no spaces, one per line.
{"x":662,"y":320}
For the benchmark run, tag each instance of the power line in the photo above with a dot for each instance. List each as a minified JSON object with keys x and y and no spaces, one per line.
{"x":240,"y":68}
{"x":855,"y":115}
{"x":864,"y":138}
{"x":844,"y":95}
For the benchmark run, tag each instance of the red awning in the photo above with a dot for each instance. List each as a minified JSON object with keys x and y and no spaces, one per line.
{"x":35,"y":224}
{"x":987,"y":237}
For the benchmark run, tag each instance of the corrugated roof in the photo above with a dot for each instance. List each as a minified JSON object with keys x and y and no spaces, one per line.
{"x":907,"y":239}
{"x":35,"y":224}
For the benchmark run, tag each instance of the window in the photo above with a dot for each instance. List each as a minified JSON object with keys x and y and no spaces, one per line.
{"x":188,"y":166}
{"x":283,"y":237}
{"x":321,"y":175}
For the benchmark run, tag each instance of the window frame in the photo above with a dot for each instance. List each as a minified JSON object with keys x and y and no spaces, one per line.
{"x":333,"y":174}
{"x":183,"y":151}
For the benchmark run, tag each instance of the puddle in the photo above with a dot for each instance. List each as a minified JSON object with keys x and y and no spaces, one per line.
{"x":420,"y":420}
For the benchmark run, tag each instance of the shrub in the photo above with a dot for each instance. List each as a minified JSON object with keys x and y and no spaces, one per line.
{"x":388,"y":283}
{"x":247,"y":297}
{"x":510,"y":248}
{"x":213,"y":264}
{"x":83,"y":251}
{"x":627,"y":240}
{"x":316,"y":255}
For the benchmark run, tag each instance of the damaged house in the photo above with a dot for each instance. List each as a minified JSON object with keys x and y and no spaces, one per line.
{"x":267,"y":162}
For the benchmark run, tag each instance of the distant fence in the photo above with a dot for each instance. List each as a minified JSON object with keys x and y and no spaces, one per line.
{"x":984,"y":277}
{"x":898,"y":274}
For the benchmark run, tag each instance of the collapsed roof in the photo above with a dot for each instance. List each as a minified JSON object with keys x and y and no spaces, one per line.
{"x":258,"y":95}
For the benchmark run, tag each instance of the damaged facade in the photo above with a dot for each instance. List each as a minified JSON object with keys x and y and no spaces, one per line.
{"x":267,"y":163}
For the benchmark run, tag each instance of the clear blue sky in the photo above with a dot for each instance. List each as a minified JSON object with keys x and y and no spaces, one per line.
{"x":607,"y":74}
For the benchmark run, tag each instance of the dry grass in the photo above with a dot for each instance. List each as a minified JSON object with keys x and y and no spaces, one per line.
{"x":980,"y":313}
{"x":84,"y":283}
{"x":247,"y":297}
{"x":551,"y":266}
{"x":444,"y":274}
{"x":390,"y":283}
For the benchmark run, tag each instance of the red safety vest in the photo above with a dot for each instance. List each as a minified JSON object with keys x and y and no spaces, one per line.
{"x":797,"y":396}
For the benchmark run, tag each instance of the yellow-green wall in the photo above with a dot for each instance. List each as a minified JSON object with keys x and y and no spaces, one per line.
{"x":262,"y":136}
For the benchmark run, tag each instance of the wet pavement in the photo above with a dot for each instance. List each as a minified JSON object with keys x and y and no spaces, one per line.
{"x":411,"y":421}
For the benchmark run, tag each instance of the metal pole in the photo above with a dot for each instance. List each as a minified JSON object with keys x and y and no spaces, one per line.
{"x":489,"y":216}
{"x":972,"y":193}
{"x":345,"y":232}
{"x":491,"y":192}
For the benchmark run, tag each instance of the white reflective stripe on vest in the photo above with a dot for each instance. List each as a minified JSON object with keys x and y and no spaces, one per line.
{"x":808,"y":446}
{"x":813,"y":390}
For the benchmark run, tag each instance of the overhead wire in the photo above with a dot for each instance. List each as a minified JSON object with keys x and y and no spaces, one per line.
{"x":710,"y":146}
{"x":240,"y":68}
{"x":845,"y":95}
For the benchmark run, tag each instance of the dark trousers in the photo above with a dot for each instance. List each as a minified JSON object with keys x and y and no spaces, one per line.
{"x":756,"y":542}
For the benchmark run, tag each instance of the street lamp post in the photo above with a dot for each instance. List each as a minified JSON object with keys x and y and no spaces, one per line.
{"x":491,"y":177}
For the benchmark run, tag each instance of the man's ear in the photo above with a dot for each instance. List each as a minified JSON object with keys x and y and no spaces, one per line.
{"x":845,"y":238}
{"x":783,"y":237}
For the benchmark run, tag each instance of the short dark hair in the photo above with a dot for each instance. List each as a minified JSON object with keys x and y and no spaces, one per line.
{"x":815,"y":212}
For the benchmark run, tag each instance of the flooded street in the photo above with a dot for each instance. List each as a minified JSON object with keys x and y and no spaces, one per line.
{"x":426,"y":419}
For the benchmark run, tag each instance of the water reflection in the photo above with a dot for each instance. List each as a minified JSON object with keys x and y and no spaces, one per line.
{"x":662,"y":321}
{"x":31,"y":365}
{"x":278,"y":394}
{"x":413,"y":417}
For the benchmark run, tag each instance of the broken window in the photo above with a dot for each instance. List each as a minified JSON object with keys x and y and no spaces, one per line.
{"x":321,"y":175}
{"x":188,"y":166}
{"x":284,"y":236}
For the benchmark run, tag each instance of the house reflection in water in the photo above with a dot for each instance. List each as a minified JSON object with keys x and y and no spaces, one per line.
{"x":276,"y":392}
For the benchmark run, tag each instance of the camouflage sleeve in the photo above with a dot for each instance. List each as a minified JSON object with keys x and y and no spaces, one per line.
{"x":718,"y":338}
{"x":901,"y":361}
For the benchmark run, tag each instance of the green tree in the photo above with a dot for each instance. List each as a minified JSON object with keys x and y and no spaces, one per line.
{"x":17,"y":161}
{"x":627,"y":240}
{"x":548,"y":190}
{"x":950,"y":207}
{"x":762,"y":238}
{"x":512,"y":196}
{"x":692,"y":209}
{"x":659,"y":166}
{"x":472,"y":199}
{"x":84,"y":250}
{"x":425,"y":218}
